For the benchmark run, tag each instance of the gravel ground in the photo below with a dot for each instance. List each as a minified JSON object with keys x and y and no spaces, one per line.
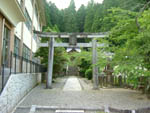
{"x":87,"y":98}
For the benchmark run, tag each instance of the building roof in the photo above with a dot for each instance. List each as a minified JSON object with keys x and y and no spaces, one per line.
{"x":12,"y":11}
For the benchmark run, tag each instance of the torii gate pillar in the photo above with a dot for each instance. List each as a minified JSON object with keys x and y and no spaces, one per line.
{"x":95,"y":67}
{"x":50,"y":64}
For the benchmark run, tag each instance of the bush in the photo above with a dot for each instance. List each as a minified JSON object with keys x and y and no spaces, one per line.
{"x":88,"y":74}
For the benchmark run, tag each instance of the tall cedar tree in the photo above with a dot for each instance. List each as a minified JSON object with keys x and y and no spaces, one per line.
{"x":81,"y":13}
{"x":70,"y":23}
{"x":89,"y":16}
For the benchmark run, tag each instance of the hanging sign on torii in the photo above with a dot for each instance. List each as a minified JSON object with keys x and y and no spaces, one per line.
{"x":72,"y":44}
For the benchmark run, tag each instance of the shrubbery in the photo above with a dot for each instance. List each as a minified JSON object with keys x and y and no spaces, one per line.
{"x":88,"y":74}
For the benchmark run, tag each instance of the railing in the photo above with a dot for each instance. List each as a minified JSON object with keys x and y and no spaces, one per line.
{"x":18,"y":64}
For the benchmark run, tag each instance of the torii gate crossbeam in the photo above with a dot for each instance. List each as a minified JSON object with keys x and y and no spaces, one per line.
{"x":78,"y":45}
{"x":53,"y":44}
{"x":67,"y":35}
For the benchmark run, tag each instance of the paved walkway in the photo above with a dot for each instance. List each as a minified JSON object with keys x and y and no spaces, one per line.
{"x":72,"y":84}
{"x":62,"y":97}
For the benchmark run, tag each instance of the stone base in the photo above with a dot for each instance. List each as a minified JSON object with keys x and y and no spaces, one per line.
{"x":16,"y":88}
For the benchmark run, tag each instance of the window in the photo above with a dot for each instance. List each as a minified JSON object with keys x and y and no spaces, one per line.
{"x":35,"y":37}
{"x":26,"y":52}
{"x":6,"y":46}
{"x":21,"y":3}
{"x":16,"y":45}
{"x":28,"y":21}
{"x":32,"y":1}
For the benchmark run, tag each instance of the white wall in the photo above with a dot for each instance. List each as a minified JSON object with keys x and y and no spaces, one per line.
{"x":34,"y":48}
{"x":18,"y":30}
{"x":27,"y":37}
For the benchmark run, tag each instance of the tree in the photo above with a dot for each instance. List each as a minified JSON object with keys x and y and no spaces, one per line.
{"x":129,"y":45}
{"x":70,"y":18}
{"x":81,"y":13}
{"x":97,"y":23}
{"x":90,"y":12}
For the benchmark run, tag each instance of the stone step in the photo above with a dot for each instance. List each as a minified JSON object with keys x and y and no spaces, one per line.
{"x":54,"y":109}
{"x":69,"y":111}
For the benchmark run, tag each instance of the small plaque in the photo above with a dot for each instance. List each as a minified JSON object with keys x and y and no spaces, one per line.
{"x":73,"y":40}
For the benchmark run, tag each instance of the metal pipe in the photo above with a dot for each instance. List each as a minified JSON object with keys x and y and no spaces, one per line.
{"x":3,"y":78}
{"x":21,"y":64}
{"x":15,"y":63}
{"x":30,"y":66}
{"x":26,"y":65}
{"x":10,"y":62}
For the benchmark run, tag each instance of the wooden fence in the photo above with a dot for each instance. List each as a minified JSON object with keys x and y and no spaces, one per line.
{"x":143,"y":83}
{"x":117,"y":81}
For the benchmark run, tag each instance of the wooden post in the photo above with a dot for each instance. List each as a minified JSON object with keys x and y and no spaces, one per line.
{"x":50,"y":63}
{"x":120,"y":80}
{"x":95,"y":68}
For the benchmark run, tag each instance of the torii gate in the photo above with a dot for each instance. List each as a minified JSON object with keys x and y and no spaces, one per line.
{"x":72,"y":44}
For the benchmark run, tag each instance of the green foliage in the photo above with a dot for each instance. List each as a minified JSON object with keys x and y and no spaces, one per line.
{"x":60,"y":55}
{"x":97,"y":22}
{"x":83,"y":60}
{"x":88,"y":74}
{"x":90,"y":11}
{"x":53,"y":16}
{"x":130,"y":47}
{"x":91,"y":18}
{"x":70,"y":22}
{"x":81,"y":13}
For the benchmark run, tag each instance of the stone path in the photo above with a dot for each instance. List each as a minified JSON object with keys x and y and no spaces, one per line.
{"x":72,"y":84}
{"x":88,"y":99}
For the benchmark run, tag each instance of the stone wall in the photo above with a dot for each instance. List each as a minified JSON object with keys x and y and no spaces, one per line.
{"x":16,"y":88}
